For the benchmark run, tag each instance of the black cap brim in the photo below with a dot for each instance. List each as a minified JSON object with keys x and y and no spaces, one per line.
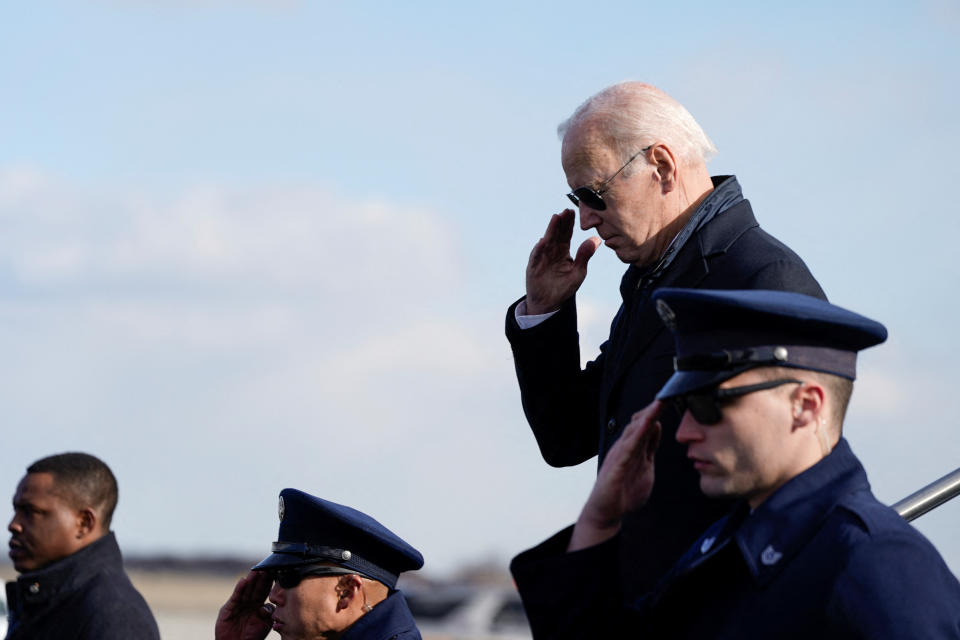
{"x":682,"y":382}
{"x":282,"y":560}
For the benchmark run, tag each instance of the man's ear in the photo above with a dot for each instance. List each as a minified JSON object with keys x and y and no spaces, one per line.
{"x":666,"y":165}
{"x":88,"y":523}
{"x":348,"y":587}
{"x":808,"y":405}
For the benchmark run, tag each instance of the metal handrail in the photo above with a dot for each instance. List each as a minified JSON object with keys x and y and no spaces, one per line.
{"x":930,"y":497}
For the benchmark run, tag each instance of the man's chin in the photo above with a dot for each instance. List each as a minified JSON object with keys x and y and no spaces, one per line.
{"x":621,"y":252}
{"x":22,"y":561}
{"x":630,"y":255}
{"x":23,"y":566}
{"x":714,"y":487}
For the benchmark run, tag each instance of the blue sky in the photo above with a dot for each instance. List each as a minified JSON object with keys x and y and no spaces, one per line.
{"x":250,"y":245}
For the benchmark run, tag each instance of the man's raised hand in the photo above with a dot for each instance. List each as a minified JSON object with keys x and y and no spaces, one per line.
{"x":245,"y":616}
{"x":552,"y":275}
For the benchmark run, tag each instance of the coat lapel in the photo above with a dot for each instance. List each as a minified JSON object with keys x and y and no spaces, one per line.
{"x":689,"y":269}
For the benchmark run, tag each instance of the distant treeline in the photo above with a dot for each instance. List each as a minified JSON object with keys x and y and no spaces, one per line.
{"x":223,"y":565}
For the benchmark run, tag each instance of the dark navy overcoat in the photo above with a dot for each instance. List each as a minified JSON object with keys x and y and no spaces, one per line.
{"x":575,"y":413}
{"x":85,"y":596}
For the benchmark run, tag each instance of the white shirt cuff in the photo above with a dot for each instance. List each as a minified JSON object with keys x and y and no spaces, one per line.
{"x":528,"y":322}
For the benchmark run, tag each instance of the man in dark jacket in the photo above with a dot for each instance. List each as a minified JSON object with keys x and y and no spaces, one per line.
{"x":72,"y":584}
{"x":636,"y":161}
{"x":763,"y":379}
{"x":333,"y":573}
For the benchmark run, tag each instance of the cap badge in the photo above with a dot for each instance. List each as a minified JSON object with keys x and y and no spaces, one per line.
{"x":667,"y":315}
{"x":345,"y":555}
{"x":770,"y":556}
{"x":780,"y":353}
{"x":281,"y":509}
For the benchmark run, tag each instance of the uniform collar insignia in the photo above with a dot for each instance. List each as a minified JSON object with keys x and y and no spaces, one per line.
{"x":770,"y":556}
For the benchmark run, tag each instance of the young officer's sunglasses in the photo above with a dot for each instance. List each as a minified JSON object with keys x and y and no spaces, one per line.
{"x":706,"y":405}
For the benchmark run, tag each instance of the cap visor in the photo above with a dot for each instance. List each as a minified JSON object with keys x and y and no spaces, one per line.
{"x":279,"y":560}
{"x":682,"y":382}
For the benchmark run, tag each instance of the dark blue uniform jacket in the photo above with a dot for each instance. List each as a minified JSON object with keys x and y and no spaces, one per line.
{"x":389,"y":620}
{"x":575,"y":413}
{"x":85,"y":596}
{"x":821,"y":558}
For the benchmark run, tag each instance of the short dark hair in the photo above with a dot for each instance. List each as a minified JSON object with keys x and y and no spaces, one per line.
{"x":84,"y":480}
{"x":839,"y":388}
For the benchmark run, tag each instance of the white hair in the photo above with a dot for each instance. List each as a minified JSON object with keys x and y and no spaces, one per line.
{"x":634,"y":115}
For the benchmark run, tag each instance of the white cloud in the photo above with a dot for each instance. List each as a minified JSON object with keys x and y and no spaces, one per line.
{"x":185,"y":337}
{"x":897,"y":384}
{"x":254,"y":240}
{"x":429,"y":346}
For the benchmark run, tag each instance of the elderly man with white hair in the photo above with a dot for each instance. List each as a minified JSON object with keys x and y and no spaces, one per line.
{"x":635,"y":160}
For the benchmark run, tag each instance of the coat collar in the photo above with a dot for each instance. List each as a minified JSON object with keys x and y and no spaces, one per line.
{"x":722,"y":218}
{"x":780,"y":527}
{"x":67,"y":575}
{"x":787,"y":520}
{"x":725,"y":195}
{"x":716,"y":224}
{"x":386,"y":620}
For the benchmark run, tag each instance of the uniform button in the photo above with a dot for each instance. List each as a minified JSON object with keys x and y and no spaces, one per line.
{"x":611,"y":425}
{"x":35,"y":587}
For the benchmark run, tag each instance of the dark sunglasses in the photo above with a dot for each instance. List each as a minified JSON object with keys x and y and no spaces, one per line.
{"x":706,"y":406}
{"x":594,"y":198}
{"x":290,"y":578}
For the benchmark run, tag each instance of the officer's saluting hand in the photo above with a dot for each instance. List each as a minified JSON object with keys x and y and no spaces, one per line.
{"x":245,"y":616}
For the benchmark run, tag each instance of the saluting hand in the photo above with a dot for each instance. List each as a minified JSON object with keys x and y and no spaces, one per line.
{"x":552,"y":276}
{"x":624,"y":483}
{"x":245,"y":616}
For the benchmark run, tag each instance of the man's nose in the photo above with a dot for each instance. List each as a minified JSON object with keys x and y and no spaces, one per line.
{"x":276,"y":594}
{"x":588,"y":217}
{"x":13,"y":526}
{"x":689,"y":429}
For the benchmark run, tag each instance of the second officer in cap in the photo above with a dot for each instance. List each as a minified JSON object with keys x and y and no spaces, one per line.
{"x":332,"y":574}
{"x":761,"y":384}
